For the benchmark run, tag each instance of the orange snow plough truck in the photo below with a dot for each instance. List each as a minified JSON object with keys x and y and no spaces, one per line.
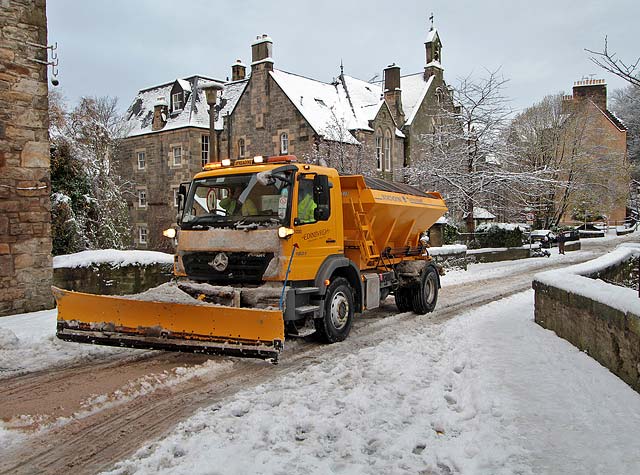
{"x":268,"y":246}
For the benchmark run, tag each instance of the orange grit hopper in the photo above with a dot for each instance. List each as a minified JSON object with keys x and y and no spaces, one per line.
{"x":268,"y":247}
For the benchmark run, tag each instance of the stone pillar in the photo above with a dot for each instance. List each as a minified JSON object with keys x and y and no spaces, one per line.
{"x":25,"y":185}
{"x":211,"y":91}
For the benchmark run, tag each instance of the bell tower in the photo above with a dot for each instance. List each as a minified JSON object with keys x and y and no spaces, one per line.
{"x":433,"y":50}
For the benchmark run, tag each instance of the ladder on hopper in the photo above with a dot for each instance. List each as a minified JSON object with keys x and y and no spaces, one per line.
{"x":366,"y":243}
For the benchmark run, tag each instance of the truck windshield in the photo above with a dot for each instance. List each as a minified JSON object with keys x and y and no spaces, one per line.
{"x":253,"y":200}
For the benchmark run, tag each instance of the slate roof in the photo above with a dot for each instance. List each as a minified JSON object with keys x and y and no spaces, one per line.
{"x":195,"y":113}
{"x":332,"y":110}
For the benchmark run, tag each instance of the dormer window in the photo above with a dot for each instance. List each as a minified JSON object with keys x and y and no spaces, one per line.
{"x":177,"y":101}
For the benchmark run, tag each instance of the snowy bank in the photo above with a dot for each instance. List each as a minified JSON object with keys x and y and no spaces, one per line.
{"x":114,"y":257}
{"x":475,"y":395}
{"x":576,"y":279}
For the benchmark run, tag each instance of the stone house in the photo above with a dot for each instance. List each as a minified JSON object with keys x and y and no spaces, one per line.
{"x":167,"y":142}
{"x":25,"y":185}
{"x":602,"y":143}
{"x":353,"y":125}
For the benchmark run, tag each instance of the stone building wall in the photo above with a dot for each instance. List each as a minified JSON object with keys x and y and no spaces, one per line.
{"x":159,"y":179}
{"x":25,"y":219}
{"x":261,"y":115}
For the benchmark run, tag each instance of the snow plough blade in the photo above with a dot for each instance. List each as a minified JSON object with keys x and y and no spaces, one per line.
{"x":121,"y":321}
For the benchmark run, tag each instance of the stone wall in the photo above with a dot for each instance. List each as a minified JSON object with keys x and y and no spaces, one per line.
{"x":106,"y":279}
{"x":608,"y":335}
{"x":25,"y":229}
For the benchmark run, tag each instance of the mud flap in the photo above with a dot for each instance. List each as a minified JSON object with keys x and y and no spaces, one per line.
{"x":119,"y":321}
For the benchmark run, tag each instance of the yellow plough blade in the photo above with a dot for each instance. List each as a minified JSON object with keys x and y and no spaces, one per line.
{"x":120,"y":321}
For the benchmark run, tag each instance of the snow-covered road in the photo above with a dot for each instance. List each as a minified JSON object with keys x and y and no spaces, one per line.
{"x":489,"y":392}
{"x":478,"y":391}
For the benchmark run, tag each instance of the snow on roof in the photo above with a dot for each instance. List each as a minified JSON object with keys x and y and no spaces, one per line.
{"x":432,"y":35}
{"x":228,"y":99}
{"x":414,"y":89}
{"x":185,"y":85}
{"x":332,"y":110}
{"x":481,"y":213}
{"x":195,"y":112}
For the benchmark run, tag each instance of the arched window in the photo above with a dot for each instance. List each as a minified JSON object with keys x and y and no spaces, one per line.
{"x":387,"y":150}
{"x":284,"y":143}
{"x":379,"y":150}
{"x":241,"y":148}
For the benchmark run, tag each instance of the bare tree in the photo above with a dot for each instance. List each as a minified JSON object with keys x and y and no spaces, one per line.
{"x":608,"y":61}
{"x":585,"y":174}
{"x":92,"y":132}
{"x":467,"y":156}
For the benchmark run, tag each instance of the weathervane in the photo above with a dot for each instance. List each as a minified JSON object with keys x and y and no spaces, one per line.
{"x":431,"y":18}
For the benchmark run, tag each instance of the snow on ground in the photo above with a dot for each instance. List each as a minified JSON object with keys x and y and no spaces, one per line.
{"x":28,"y":343}
{"x":114,"y":257}
{"x":489,"y":392}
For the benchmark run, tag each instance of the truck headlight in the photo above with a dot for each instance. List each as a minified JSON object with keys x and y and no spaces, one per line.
{"x":170,"y":233}
{"x":284,"y":232}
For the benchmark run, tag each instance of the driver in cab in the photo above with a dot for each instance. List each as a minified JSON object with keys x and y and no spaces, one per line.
{"x":234,"y":207}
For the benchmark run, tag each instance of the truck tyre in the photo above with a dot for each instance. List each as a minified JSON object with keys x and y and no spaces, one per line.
{"x":403,"y":299}
{"x":426,"y":295}
{"x":336,"y":322}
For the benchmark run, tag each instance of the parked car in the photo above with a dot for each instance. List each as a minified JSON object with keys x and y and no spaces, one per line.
{"x":545,"y":237}
{"x":571,"y":235}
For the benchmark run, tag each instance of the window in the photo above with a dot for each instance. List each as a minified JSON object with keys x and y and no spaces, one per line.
{"x":142,"y":163}
{"x":284,"y":143}
{"x":142,"y":198}
{"x":175,"y":198}
{"x":177,"y":155}
{"x":306,"y":203}
{"x":205,"y":149}
{"x":387,"y":151}
{"x":142,"y":235}
{"x":379,"y":152}
{"x":241,"y":148}
{"x":176,"y":101}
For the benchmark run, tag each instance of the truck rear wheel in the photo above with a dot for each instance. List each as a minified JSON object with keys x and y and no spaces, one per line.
{"x":426,"y":295}
{"x":336,"y":322}
{"x":403,"y":299}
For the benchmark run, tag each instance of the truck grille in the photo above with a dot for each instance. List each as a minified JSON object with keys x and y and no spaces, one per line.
{"x":242,"y":267}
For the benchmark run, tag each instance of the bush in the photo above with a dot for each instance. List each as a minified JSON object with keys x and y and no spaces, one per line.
{"x":499,"y":235}
{"x":450,"y":234}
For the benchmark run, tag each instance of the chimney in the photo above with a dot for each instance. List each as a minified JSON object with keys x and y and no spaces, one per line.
{"x":261,"y":54}
{"x":593,"y":89}
{"x":238,"y":71}
{"x":211,"y":90}
{"x":160,"y":109}
{"x":393,"y":94}
{"x":392,"y":77}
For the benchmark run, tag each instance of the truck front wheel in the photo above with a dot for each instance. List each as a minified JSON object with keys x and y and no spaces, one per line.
{"x":336,"y":322}
{"x":426,"y":296}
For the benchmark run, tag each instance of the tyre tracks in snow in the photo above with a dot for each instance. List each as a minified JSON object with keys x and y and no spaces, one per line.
{"x":95,"y":441}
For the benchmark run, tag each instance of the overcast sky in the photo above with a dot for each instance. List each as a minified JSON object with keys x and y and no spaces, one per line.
{"x":116,"y":47}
